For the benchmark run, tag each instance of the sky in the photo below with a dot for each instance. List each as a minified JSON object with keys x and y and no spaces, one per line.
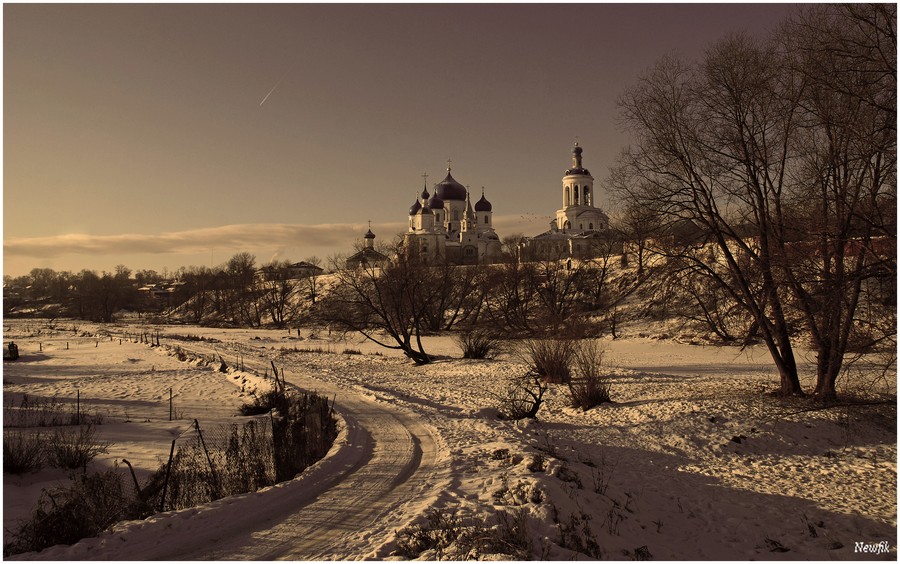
{"x":157,"y":136}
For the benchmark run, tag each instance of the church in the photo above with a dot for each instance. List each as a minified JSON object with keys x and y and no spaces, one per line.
{"x":580,"y":228}
{"x":444,"y":227}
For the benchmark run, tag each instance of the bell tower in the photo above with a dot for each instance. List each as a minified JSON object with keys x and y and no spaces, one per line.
{"x":577,"y":197}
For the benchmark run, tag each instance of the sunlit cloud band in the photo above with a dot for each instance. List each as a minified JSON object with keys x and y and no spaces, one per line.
{"x":243,"y":236}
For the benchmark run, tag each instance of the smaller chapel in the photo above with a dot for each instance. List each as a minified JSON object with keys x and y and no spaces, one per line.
{"x":444,"y":227}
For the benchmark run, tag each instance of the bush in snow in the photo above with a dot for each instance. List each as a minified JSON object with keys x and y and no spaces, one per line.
{"x":23,"y":452}
{"x":448,"y":536}
{"x":479,"y":343}
{"x":524,"y":396}
{"x":588,"y":387}
{"x":262,"y":403}
{"x":550,"y":358}
{"x":92,"y":503}
{"x":74,"y":448}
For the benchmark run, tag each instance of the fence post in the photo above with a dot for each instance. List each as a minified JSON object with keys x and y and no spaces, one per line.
{"x":170,"y":404}
{"x":212,"y":469}
{"x":162,"y":501}
{"x":275,"y":375}
{"x":137,"y":487}
{"x":78,"y":407}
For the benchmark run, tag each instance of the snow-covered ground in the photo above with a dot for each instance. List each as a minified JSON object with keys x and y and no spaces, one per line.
{"x":692,"y":461}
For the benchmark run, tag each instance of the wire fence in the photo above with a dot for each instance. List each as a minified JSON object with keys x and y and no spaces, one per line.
{"x":217,"y":461}
{"x":208,"y":463}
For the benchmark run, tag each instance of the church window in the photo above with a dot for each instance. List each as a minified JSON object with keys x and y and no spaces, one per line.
{"x":587,"y":196}
{"x":455,"y":215}
{"x":485,"y":219}
{"x":590,"y":225}
{"x":576,"y":194}
{"x":580,"y":226}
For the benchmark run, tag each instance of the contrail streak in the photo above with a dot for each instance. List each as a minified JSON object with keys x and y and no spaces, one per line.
{"x":273,"y":89}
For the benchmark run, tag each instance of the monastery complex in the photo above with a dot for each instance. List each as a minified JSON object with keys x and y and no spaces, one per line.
{"x":445,"y":226}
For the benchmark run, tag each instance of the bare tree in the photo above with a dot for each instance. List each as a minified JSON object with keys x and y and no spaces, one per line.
{"x":311,"y":282}
{"x":388,"y":304}
{"x":785,"y":169}
{"x":277,"y":289}
{"x":845,"y":185}
{"x":710,"y":151}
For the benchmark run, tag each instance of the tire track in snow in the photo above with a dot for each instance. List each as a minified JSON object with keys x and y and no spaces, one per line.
{"x":394,"y":460}
{"x":346,"y":506}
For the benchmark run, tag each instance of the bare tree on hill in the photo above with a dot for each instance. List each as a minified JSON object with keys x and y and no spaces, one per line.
{"x":786,"y":170}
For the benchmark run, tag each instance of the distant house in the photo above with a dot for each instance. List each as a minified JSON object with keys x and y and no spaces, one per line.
{"x":295,"y":271}
{"x":368,"y":256}
{"x":162,"y":293}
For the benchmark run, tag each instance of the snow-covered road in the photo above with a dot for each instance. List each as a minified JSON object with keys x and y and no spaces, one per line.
{"x":339,"y":508}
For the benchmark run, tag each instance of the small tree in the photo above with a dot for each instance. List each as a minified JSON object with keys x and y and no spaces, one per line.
{"x":386,"y":304}
{"x":524,"y":396}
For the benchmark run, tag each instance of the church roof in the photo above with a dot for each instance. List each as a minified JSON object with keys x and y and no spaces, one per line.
{"x":450,"y":189}
{"x":483,"y":205}
{"x":577,"y":169}
{"x":413,"y":209}
{"x":436,"y":203}
{"x":366,"y":256}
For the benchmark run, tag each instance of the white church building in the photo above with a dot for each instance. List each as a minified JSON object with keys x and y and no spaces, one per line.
{"x":446,"y":227}
{"x":579,"y":227}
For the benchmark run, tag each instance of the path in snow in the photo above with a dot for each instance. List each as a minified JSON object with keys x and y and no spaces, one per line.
{"x":392,"y":460}
{"x":338,"y":509}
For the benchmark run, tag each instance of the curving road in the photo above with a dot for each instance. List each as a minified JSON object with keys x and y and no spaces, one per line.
{"x":392,"y":459}
{"x":342,"y":508}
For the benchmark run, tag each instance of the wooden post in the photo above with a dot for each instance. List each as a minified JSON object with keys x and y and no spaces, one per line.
{"x":212,"y":469}
{"x":137,"y":487}
{"x":162,"y":500}
{"x":170,"y":404}
{"x":78,"y":407}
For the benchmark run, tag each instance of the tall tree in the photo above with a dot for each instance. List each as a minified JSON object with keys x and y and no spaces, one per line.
{"x":785,"y":171}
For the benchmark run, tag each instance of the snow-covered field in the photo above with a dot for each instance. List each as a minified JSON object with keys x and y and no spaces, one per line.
{"x":692,"y":460}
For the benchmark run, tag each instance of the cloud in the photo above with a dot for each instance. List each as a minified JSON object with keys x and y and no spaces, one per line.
{"x":239,"y":237}
{"x":245,"y":236}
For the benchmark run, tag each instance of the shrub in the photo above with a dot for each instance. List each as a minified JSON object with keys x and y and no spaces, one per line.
{"x":263,"y":403}
{"x":588,"y":387}
{"x":479,"y":343}
{"x":22,"y":452}
{"x":524,"y":396}
{"x":74,"y":448}
{"x":550,"y":358}
{"x":88,"y":506}
{"x":455,"y":538}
